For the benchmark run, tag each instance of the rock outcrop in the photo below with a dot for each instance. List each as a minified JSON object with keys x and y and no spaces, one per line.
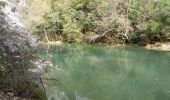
{"x":17,"y":48}
{"x":14,"y":38}
{"x":16,"y":43}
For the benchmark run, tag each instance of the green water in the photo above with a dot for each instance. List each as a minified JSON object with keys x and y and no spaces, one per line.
{"x":107,"y":73}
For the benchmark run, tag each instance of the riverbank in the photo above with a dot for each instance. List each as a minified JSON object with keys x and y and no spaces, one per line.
{"x":50,"y":43}
{"x":165,"y":46}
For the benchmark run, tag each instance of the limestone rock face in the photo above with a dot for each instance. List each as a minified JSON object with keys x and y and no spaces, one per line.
{"x":14,"y":38}
{"x":16,"y":43}
{"x":17,"y":47}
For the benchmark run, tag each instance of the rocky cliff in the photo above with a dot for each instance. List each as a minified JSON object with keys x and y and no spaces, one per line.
{"x":14,"y":38}
{"x":17,"y":45}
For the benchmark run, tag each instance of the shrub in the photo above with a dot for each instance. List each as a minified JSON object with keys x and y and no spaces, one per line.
{"x":149,"y":19}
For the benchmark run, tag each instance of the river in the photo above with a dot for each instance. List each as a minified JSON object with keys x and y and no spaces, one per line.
{"x":86,"y":72}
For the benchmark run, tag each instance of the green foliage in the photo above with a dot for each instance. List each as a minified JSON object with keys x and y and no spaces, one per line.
{"x":132,"y":20}
{"x":150,"y":18}
{"x":2,"y":4}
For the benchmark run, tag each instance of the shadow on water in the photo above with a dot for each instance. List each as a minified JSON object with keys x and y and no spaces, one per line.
{"x":107,"y":73}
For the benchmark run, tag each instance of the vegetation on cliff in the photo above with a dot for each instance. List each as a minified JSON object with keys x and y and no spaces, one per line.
{"x":17,"y":47}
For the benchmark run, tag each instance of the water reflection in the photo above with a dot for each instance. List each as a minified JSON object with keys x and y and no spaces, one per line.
{"x":109,"y":73}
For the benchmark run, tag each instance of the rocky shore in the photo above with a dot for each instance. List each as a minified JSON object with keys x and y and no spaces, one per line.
{"x":159,"y":46}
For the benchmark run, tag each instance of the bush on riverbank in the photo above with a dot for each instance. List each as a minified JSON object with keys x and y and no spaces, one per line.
{"x":136,"y":21}
{"x":150,"y":19}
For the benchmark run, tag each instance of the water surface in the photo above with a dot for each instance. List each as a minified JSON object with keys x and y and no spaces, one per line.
{"x":107,"y":73}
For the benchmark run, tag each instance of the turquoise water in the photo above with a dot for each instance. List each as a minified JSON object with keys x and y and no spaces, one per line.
{"x":86,"y":72}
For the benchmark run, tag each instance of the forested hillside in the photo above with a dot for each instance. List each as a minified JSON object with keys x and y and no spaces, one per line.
{"x":108,"y":21}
